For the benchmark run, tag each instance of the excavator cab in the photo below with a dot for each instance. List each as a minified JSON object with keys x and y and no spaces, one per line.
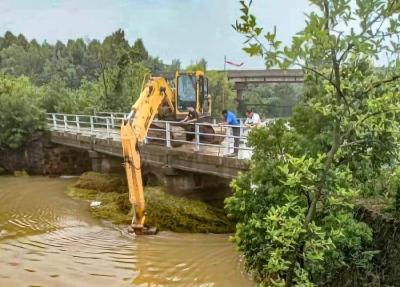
{"x":191,"y":90}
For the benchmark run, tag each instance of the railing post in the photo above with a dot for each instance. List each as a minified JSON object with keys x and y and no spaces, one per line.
{"x":197,"y":136}
{"x":168,"y":134}
{"x":108,"y":127}
{"x":91,"y":125}
{"x":241,"y":133}
{"x":54,"y":121}
{"x":228,"y":140}
{"x":78,"y":126}
{"x":214,"y":121}
{"x":65,"y":122}
{"x":241,"y":129}
{"x":112,"y":120}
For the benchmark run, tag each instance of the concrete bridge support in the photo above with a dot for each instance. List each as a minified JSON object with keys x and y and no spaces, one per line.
{"x":193,"y":185}
{"x":241,"y":106}
{"x":208,"y":188}
{"x":105,"y":164}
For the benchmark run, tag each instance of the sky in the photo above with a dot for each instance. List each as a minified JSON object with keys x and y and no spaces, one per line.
{"x":171,"y":29}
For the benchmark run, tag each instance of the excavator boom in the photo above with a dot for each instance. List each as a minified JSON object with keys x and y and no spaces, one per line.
{"x":156,"y":94}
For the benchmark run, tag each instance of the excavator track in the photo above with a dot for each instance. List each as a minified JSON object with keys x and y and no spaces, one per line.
{"x":157,"y":134}
{"x":142,"y":230}
{"x":179,"y":134}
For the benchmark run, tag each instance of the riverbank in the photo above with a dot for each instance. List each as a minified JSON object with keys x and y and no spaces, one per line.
{"x":164,"y":211}
{"x":39,"y":156}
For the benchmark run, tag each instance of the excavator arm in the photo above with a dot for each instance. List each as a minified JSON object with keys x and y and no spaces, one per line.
{"x":156,"y":94}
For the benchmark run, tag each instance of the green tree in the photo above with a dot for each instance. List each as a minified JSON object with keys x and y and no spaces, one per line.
{"x":55,"y":96}
{"x":139,"y":52}
{"x":222,"y":94}
{"x":295,"y":217}
{"x":175,"y":65}
{"x":8,"y":40}
{"x":20,"y":114}
{"x":200,"y":65}
{"x":273,"y":101}
{"x":63,"y":71}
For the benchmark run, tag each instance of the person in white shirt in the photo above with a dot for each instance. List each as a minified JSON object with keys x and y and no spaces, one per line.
{"x":253,"y":119}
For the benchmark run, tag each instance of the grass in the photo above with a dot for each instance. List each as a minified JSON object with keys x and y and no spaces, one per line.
{"x":164,"y":211}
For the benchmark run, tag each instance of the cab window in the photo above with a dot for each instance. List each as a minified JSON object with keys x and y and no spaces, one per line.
{"x":186,"y":92}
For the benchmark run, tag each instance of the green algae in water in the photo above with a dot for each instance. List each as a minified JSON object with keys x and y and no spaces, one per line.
{"x":21,"y":173}
{"x":182,"y":215}
{"x":102,"y":182}
{"x":164,"y":211}
{"x":110,"y":208}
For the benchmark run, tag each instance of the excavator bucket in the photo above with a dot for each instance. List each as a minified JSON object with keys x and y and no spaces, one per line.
{"x":142,"y":230}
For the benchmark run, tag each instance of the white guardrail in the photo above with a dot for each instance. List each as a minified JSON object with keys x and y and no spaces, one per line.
{"x":108,"y":126}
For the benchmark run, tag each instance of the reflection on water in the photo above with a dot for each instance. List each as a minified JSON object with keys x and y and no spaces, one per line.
{"x":48,"y":239}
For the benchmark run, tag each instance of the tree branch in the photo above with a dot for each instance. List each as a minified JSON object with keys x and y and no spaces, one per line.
{"x":377,"y":84}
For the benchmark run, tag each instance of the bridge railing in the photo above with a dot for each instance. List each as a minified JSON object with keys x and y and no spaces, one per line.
{"x":220,"y":142}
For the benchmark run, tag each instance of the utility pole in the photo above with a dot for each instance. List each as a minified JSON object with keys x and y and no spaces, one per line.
{"x":224,"y":63}
{"x":223,"y":91}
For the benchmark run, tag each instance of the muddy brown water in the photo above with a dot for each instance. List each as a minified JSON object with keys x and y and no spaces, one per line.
{"x":49,"y":239}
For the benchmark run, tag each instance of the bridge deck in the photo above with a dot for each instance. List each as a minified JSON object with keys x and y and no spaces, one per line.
{"x":226,"y":147}
{"x":205,"y":161}
{"x":190,"y":156}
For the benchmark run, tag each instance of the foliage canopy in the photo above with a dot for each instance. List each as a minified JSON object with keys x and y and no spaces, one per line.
{"x":20,"y":112}
{"x":295,"y":217}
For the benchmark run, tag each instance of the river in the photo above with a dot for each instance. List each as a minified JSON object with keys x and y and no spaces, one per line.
{"x":49,"y":239}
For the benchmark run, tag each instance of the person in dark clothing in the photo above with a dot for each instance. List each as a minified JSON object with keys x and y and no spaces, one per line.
{"x":191,"y":117}
{"x":230,"y":119}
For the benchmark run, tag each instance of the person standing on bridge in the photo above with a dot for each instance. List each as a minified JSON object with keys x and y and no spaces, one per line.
{"x":253,"y":119}
{"x":230,"y":119}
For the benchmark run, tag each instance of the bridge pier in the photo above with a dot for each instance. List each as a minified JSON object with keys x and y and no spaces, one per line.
{"x":241,"y":106}
{"x":204,"y":187}
{"x":209,"y":188}
{"x":105,"y":164}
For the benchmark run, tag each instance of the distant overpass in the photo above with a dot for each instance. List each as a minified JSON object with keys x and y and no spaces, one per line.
{"x":257,"y":76}
{"x":243,"y":78}
{"x":265,"y":76}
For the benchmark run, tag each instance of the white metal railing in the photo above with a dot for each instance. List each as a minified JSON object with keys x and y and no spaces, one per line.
{"x":108,"y":126}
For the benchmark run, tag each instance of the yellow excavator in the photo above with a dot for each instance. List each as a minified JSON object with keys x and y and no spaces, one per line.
{"x":169,"y":100}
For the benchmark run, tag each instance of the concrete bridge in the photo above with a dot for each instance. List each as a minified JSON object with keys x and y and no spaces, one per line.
{"x":274,"y":76}
{"x":191,"y":167}
{"x":241,"y":80}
